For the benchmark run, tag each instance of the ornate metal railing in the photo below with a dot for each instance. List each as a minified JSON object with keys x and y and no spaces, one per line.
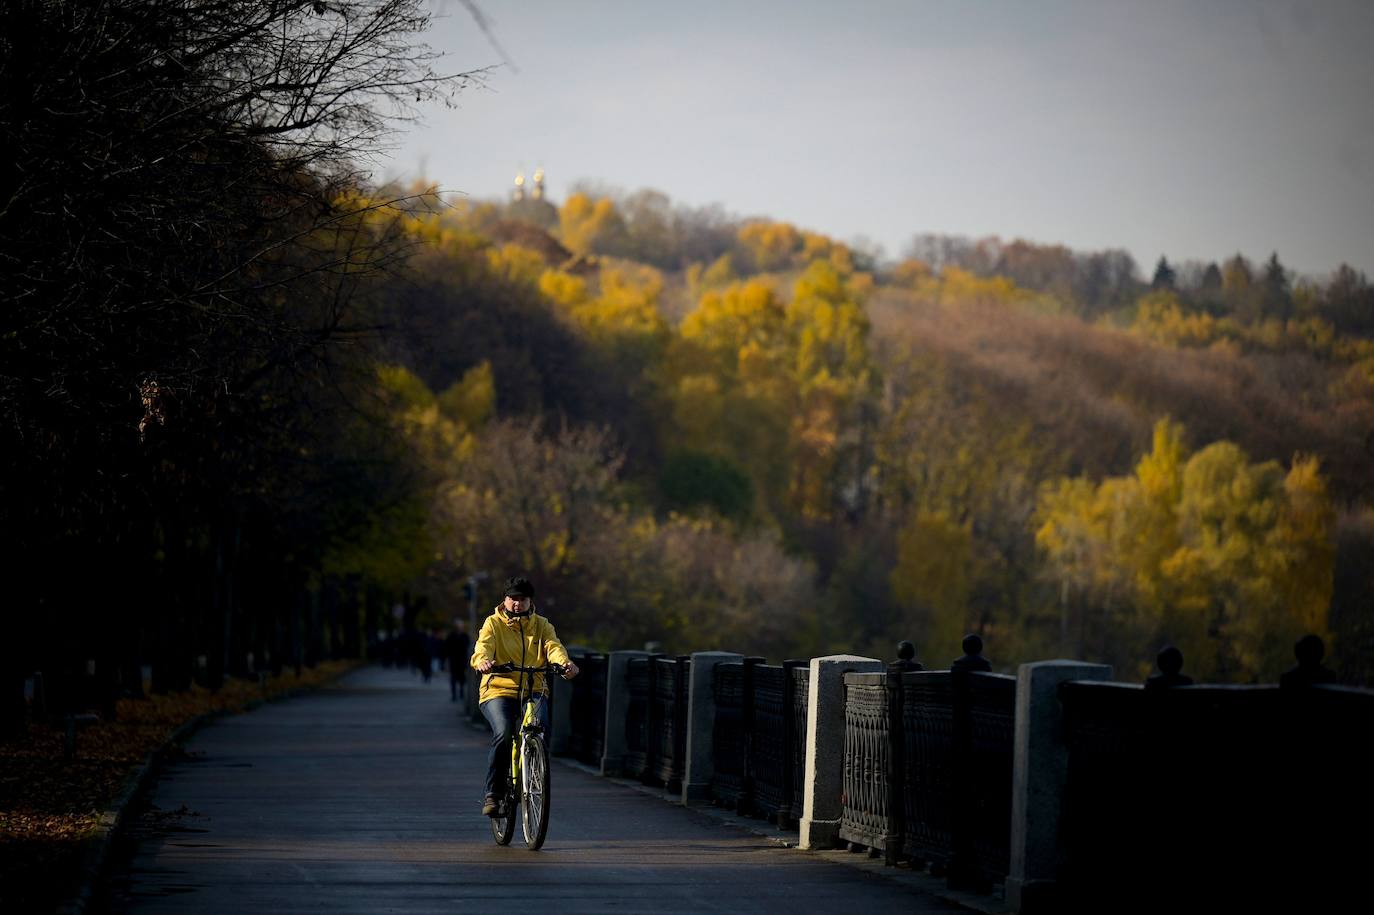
{"x":636,"y":718}
{"x":800,"y":682}
{"x":1135,"y":754}
{"x":928,"y":754}
{"x":667,"y":720}
{"x":991,"y":709}
{"x":1263,"y":783}
{"x":769,"y":763}
{"x":928,"y":769}
{"x":728,"y":737}
{"x":866,"y":811}
{"x":1106,"y":735}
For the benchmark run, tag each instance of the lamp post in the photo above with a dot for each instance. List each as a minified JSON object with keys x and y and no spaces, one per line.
{"x":470,"y":589}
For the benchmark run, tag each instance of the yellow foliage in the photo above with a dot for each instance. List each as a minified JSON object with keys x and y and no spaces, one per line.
{"x":934,"y":576}
{"x":697,"y":407}
{"x":588,"y":226}
{"x":773,"y":245}
{"x":720,"y":273}
{"x":1229,"y":560}
{"x":1160,"y":317}
{"x":622,"y":312}
{"x":742,"y":315}
{"x":516,"y":264}
{"x":827,"y":319}
{"x":405,"y":386}
{"x":912,"y":273}
{"x":563,"y":289}
{"x":471,"y":400}
{"x":628,"y":304}
{"x":959,"y":287}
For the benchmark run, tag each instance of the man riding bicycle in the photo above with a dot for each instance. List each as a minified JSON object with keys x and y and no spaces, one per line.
{"x":513,"y":634}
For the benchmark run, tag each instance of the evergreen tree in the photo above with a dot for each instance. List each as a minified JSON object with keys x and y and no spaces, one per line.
{"x":1164,"y":275}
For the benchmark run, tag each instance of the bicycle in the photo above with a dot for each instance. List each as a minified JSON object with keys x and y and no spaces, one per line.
{"x":527,"y":782}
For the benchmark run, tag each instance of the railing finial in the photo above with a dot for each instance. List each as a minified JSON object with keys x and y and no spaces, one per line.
{"x":1170,"y":663}
{"x":1309,"y":670}
{"x":973,"y":655}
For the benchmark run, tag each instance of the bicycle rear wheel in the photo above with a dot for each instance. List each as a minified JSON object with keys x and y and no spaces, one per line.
{"x":534,"y":790}
{"x":503,"y":824}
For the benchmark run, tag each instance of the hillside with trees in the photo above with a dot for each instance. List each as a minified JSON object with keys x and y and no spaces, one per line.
{"x":790,"y":447}
{"x":259,"y":412}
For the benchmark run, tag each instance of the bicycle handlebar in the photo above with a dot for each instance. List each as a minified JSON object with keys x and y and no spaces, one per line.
{"x":512,"y":668}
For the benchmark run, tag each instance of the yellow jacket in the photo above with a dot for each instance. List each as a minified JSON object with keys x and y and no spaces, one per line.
{"x":528,"y":642}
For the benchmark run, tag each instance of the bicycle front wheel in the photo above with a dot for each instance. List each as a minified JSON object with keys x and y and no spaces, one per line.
{"x":503,"y":824}
{"x":534,"y":790}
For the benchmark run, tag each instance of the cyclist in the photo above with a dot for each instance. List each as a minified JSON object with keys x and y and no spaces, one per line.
{"x":513,"y":633}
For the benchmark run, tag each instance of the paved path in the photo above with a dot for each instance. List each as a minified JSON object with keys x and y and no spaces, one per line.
{"x":365,"y":797}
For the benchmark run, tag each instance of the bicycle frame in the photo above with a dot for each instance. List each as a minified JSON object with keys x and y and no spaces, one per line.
{"x":531,"y":731}
{"x":529,"y":722}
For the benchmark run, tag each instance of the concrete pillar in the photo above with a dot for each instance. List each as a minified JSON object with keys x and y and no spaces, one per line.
{"x":824,"y":777}
{"x":617,"y":709}
{"x":701,"y":725}
{"x":1039,"y":770}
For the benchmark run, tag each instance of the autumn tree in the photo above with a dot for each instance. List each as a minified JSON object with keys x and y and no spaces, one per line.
{"x":1228,"y":559}
{"x":182,"y":260}
{"x":591,"y":226}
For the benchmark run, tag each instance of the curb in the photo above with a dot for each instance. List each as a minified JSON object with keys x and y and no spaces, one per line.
{"x":111,"y":819}
{"x":98,"y":845}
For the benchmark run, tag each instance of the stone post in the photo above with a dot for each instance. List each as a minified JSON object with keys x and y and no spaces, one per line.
{"x":1039,"y":770}
{"x":617,"y":710}
{"x":824,"y":778}
{"x":701,"y":724}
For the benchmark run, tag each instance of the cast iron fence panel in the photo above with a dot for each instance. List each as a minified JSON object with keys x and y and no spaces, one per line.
{"x":864,"y":816}
{"x":668,"y":719}
{"x":588,"y":738}
{"x":992,"y":718}
{"x":928,"y":752}
{"x":801,"y":682}
{"x":768,"y":750}
{"x":1211,"y":753}
{"x":727,"y":779}
{"x":636,"y":717}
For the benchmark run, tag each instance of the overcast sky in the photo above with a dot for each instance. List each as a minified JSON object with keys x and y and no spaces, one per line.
{"x":1190,"y":129}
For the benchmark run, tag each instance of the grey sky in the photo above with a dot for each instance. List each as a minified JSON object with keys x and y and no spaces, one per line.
{"x":1193,"y":130}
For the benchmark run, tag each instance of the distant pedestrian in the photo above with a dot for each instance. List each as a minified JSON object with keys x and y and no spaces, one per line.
{"x":435,"y":646}
{"x":457,"y":649}
{"x":419,"y":646}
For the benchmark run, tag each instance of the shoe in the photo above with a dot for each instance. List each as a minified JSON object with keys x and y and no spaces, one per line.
{"x":490,"y":806}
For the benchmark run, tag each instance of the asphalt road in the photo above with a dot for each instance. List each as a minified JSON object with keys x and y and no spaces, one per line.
{"x":365,"y":797}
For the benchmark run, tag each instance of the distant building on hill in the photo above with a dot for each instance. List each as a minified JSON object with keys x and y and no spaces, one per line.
{"x":530,"y":205}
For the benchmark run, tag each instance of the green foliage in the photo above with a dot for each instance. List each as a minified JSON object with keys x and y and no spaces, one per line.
{"x":691,"y":479}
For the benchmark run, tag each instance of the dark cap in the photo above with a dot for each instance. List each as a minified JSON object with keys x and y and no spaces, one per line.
{"x":519,"y":587}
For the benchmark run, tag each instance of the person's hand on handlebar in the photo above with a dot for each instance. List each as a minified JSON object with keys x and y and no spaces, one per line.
{"x":569,"y":670}
{"x":484,"y":667}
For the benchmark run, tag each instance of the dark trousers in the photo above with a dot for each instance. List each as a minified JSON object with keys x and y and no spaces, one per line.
{"x":457,"y":683}
{"x":504,"y":716}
